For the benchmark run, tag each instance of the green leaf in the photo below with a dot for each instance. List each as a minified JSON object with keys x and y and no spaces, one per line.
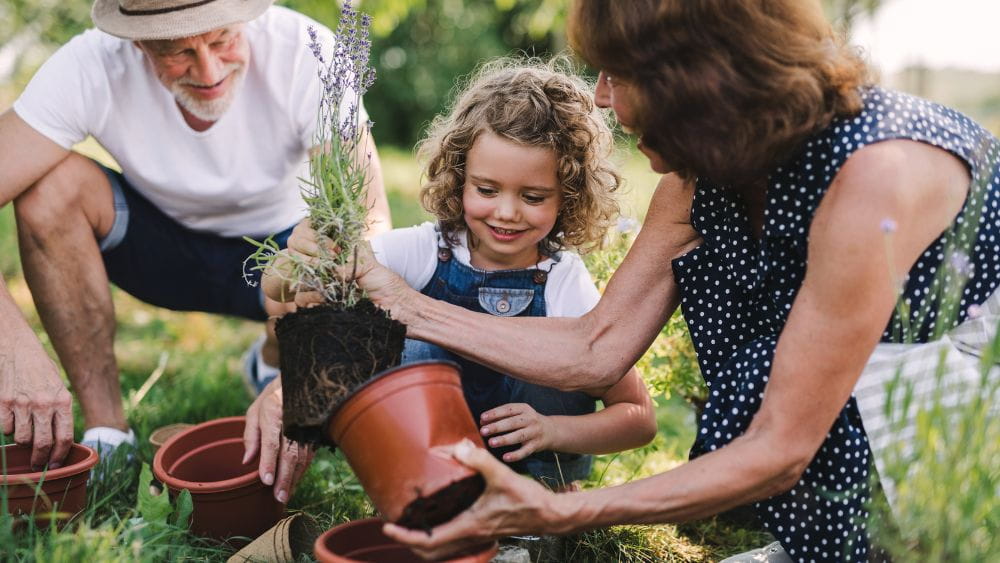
{"x":182,"y":513}
{"x":153,"y":508}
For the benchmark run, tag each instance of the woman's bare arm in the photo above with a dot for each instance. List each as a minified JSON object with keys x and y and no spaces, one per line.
{"x":838,"y":316}
{"x":597,"y":348}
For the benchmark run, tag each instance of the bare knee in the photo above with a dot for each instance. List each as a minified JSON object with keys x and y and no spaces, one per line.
{"x":74,"y":188}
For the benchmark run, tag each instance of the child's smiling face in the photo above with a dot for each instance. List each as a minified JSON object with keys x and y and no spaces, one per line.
{"x":511,"y":200}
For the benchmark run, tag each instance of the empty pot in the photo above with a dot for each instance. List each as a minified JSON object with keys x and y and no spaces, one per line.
{"x":229,"y":498}
{"x":363,"y":540}
{"x":63,"y":490}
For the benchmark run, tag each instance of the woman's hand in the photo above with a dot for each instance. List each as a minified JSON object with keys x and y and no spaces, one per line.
{"x":383,"y":286}
{"x":282,"y":461}
{"x":518,"y":423}
{"x":510,"y":505}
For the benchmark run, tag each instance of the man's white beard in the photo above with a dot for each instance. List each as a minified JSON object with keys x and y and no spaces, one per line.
{"x":209,"y":110}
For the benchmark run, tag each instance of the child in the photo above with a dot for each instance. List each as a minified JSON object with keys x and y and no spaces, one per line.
{"x":517,"y":173}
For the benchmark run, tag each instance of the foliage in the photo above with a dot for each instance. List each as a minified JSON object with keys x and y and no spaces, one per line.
{"x":335,"y":193}
{"x":844,"y":13}
{"x":944,"y":462}
{"x":669,"y":365}
{"x":947,"y":477}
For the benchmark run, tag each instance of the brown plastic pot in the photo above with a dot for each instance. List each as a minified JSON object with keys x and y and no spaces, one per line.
{"x":390,"y":431}
{"x":363,"y":540}
{"x":63,"y":490}
{"x":229,"y":498}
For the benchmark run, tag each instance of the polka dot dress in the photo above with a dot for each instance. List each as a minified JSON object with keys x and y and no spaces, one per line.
{"x":737,"y":291}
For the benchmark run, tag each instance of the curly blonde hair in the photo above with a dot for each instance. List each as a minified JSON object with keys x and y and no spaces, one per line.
{"x":535,"y":104}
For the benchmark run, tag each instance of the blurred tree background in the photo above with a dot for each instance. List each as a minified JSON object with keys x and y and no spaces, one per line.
{"x":420,"y":48}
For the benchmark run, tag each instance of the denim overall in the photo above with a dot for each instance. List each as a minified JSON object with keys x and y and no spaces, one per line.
{"x":504,"y":293}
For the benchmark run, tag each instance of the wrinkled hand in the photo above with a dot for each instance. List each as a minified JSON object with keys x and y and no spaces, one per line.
{"x":510,"y":505}
{"x":383,"y":286}
{"x":34,"y":403}
{"x":517,"y":423}
{"x":282,"y":461}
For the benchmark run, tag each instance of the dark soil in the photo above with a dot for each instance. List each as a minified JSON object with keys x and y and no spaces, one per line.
{"x":327,"y":352}
{"x":425,"y":513}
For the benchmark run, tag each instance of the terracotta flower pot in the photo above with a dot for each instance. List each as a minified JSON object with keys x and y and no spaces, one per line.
{"x":229,"y":498}
{"x":63,"y":490}
{"x":389,"y":431}
{"x":363,"y":540}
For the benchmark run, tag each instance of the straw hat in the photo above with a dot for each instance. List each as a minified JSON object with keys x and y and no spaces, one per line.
{"x":171,"y":19}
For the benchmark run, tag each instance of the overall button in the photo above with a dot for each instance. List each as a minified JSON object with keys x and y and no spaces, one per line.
{"x":539,"y":276}
{"x":444,"y":254}
{"x":503,"y":306}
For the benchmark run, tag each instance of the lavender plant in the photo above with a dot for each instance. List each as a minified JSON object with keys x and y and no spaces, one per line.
{"x":336,"y":192}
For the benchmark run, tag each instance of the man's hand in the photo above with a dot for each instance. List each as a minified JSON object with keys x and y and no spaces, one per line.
{"x":510,"y":505}
{"x":282,"y":461}
{"x":517,"y":423}
{"x":34,"y":403}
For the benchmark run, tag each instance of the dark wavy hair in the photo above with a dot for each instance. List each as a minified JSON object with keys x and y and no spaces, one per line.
{"x":534,"y":104}
{"x":726,"y":89}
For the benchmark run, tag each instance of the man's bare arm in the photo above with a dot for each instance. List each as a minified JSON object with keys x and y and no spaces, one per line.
{"x":34,"y":404}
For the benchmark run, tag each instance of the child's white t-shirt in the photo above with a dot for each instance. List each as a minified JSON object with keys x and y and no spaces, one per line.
{"x":239,"y":177}
{"x":412,"y":253}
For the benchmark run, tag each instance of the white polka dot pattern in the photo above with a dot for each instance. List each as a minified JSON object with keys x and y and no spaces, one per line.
{"x":736,"y":293}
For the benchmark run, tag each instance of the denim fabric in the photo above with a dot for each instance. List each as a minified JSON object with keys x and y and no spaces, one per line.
{"x":161,"y":262}
{"x":504,"y":293}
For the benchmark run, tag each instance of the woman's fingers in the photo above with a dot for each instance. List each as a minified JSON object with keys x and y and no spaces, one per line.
{"x":505,"y":508}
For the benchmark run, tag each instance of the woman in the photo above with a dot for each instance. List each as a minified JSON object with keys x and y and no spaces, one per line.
{"x":779,"y":152}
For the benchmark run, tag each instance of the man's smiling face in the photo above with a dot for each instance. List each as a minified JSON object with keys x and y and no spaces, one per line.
{"x":203,"y":72}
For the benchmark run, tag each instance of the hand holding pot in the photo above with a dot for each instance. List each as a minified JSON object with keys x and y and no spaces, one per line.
{"x":517,"y":423}
{"x":511,"y":504}
{"x":282,"y":461}
{"x":34,"y":403}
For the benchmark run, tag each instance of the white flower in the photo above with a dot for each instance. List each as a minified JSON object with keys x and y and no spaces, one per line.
{"x":627,"y":225}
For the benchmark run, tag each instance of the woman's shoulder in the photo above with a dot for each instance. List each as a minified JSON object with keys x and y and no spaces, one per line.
{"x":892,"y":115}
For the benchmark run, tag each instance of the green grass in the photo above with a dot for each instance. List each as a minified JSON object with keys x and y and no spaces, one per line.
{"x":199,"y":355}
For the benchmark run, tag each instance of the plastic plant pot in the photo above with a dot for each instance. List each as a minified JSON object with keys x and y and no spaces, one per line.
{"x":229,"y":498}
{"x":391,"y":431}
{"x":63,"y":491}
{"x":363,"y":540}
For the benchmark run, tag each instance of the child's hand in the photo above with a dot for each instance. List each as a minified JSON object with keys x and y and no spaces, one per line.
{"x":517,"y":423}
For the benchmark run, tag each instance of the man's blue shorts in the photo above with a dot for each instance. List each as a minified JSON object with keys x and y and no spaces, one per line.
{"x":157,"y":260}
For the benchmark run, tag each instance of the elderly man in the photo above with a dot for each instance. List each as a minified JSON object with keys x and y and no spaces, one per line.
{"x":210,"y":109}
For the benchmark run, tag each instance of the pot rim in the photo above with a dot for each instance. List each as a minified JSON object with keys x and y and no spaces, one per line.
{"x":202,"y":487}
{"x":382,"y":375}
{"x":323,"y":553}
{"x":71,"y":470}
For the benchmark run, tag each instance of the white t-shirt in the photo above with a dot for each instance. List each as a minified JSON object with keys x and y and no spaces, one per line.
{"x":412,"y":253}
{"x":240,"y":176}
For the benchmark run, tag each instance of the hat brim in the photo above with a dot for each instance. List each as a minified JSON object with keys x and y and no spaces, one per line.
{"x":174,"y":25}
